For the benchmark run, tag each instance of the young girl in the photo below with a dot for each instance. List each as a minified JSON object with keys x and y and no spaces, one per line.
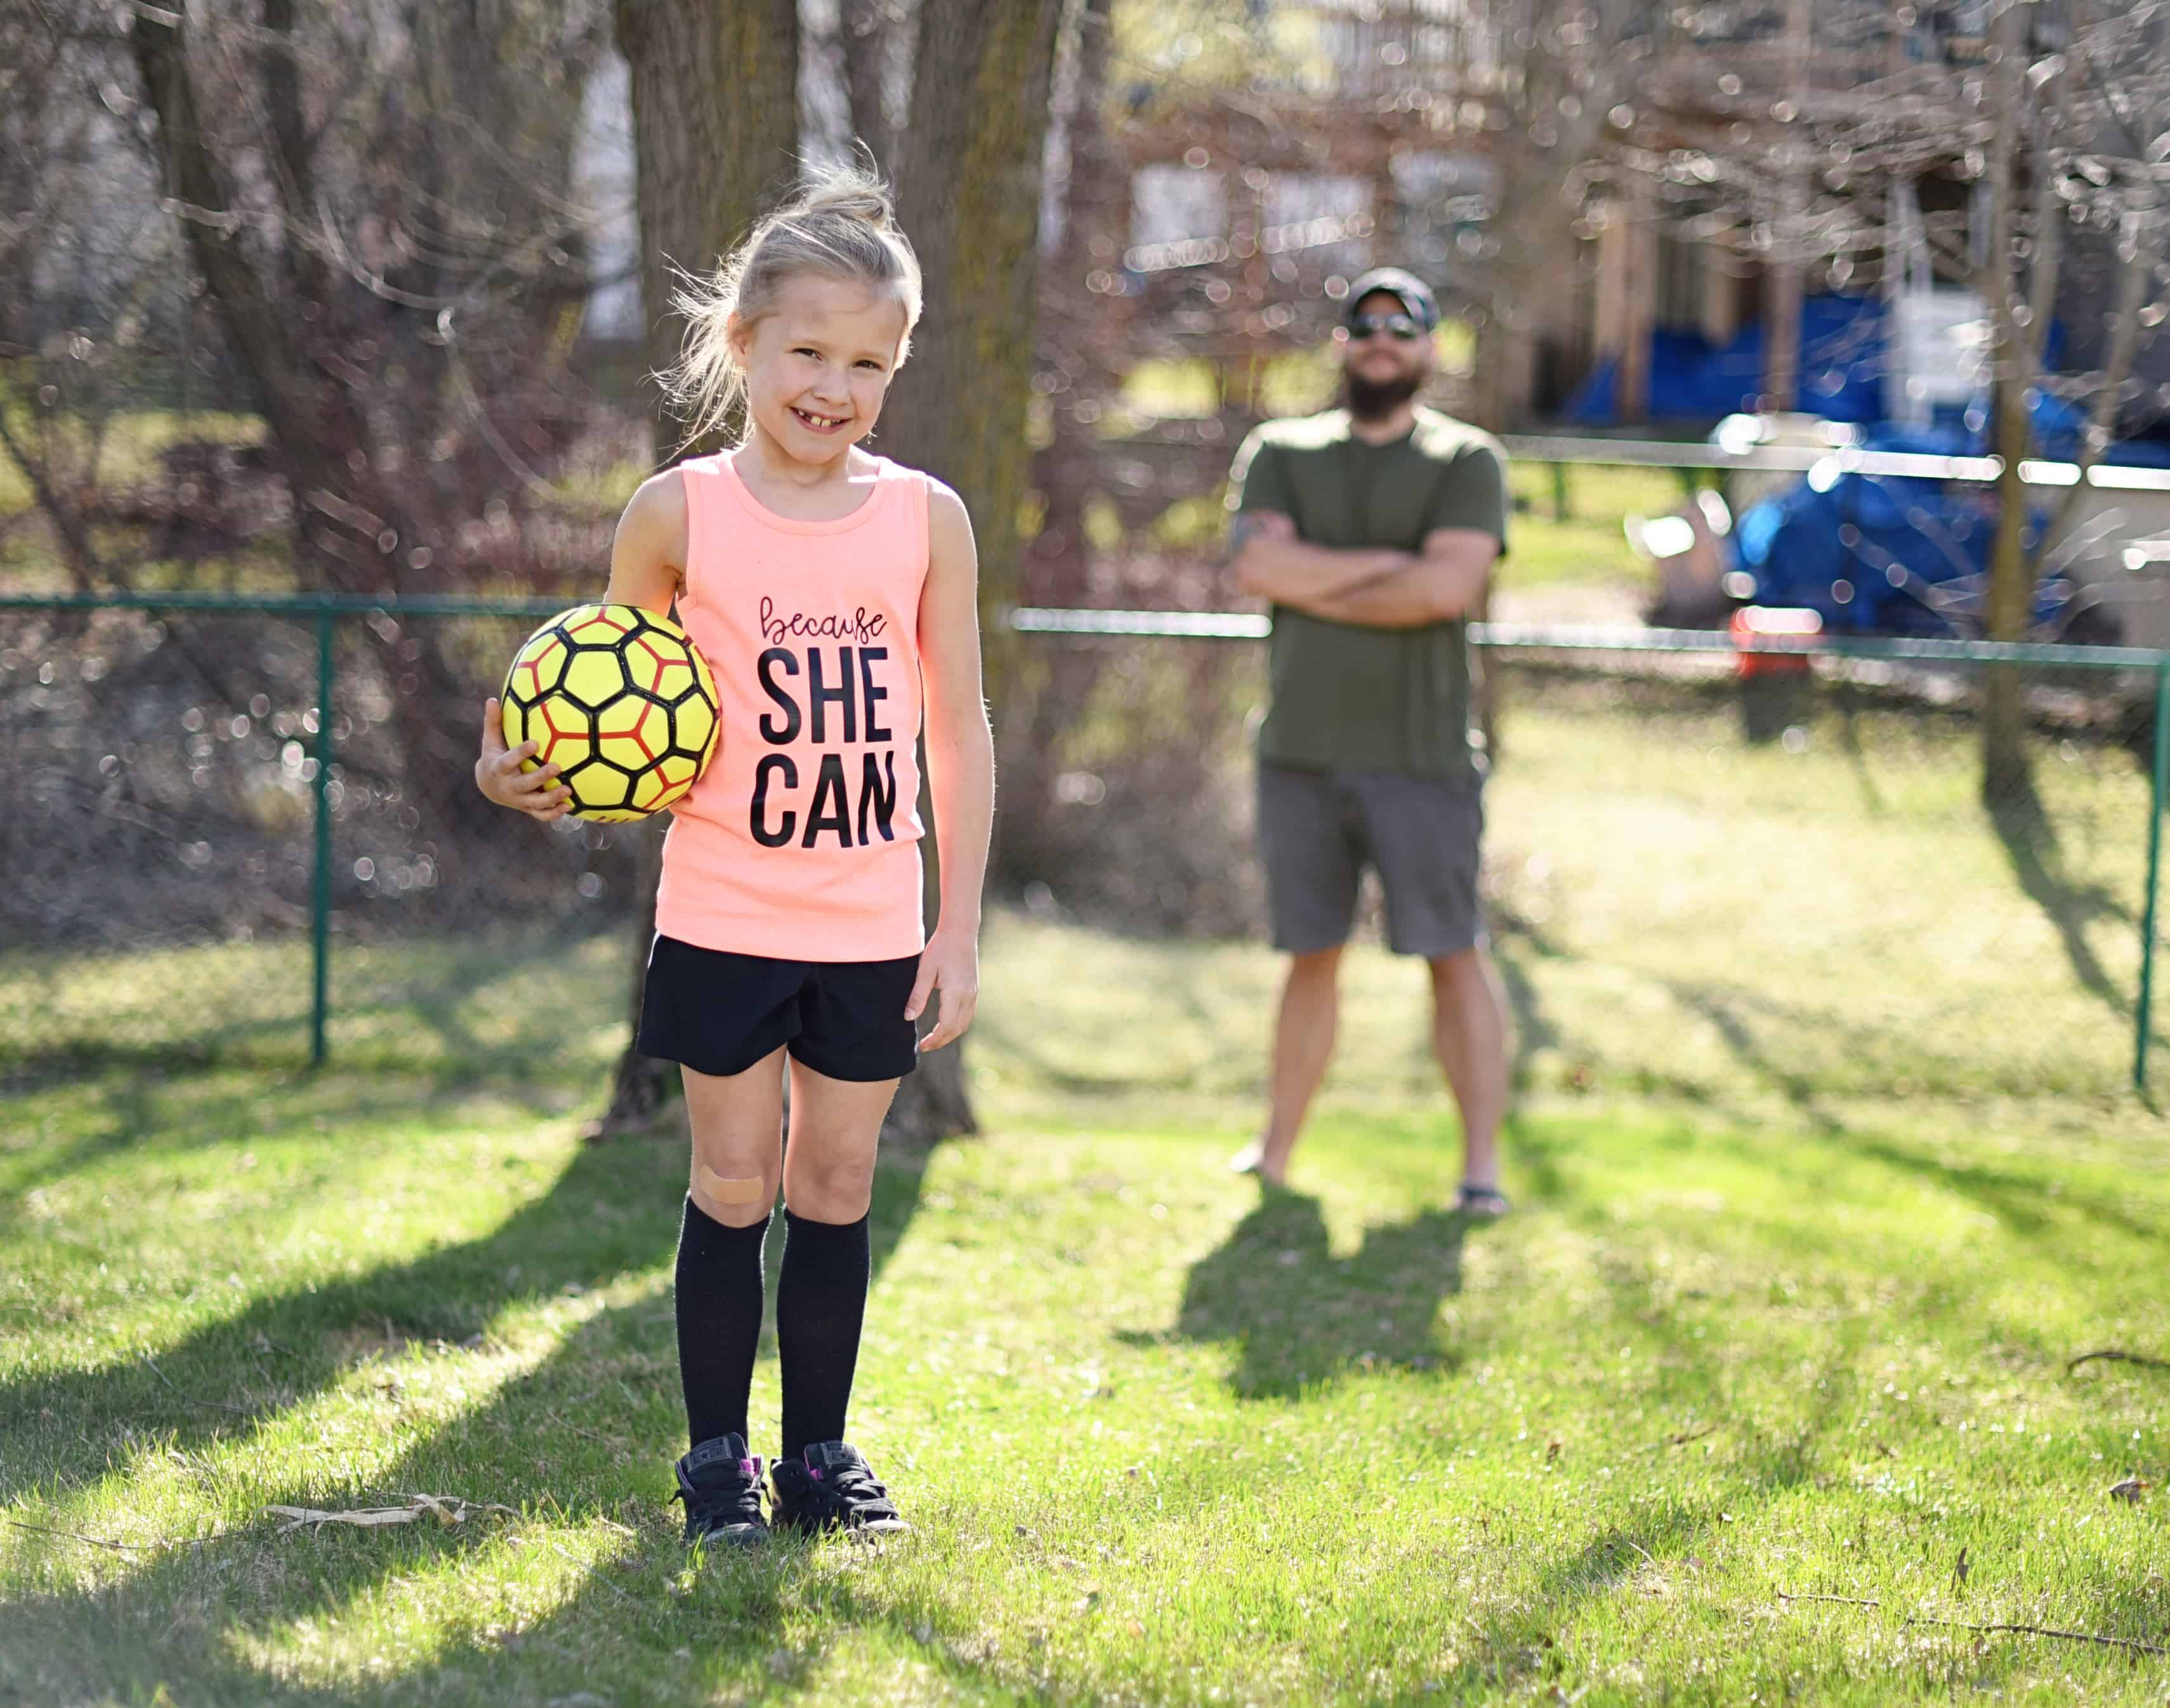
{"x":826,"y":587}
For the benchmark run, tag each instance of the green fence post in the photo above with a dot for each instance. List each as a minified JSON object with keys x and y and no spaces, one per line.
{"x":1559,"y":491}
{"x":2161,"y":777}
{"x":321,"y":889}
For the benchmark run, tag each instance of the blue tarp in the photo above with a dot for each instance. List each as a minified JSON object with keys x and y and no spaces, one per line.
{"x":1868,"y":553}
{"x":1850,"y":553}
{"x":1842,"y":369}
{"x":1842,"y":355}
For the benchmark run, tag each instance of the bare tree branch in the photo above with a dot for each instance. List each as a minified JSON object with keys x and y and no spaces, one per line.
{"x":257,"y":330}
{"x":2052,"y":131}
{"x":2136,"y":251}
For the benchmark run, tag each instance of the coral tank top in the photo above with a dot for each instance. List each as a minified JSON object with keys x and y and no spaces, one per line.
{"x":801,"y":840}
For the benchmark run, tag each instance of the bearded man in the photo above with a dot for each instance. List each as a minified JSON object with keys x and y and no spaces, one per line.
{"x":1372,"y":530}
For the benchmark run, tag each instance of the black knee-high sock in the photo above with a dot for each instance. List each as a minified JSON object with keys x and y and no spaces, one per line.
{"x":719,"y":1290}
{"x":820,"y":1305}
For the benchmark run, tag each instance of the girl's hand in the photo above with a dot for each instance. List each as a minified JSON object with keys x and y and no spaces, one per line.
{"x":950,"y":963}
{"x":498,"y":774}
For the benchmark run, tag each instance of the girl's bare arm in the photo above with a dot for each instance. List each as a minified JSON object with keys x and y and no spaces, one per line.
{"x":960,"y":765}
{"x":648,"y":553}
{"x":648,"y":560}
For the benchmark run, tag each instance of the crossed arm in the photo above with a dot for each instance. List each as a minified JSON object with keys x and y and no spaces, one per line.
{"x":1381,"y":588}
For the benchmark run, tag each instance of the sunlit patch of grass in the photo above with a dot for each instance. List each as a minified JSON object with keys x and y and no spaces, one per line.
{"x":129,"y":448}
{"x":1587,"y":544}
{"x":600,"y":491}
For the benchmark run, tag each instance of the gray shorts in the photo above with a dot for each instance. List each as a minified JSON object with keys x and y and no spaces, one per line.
{"x":1318,"y":831}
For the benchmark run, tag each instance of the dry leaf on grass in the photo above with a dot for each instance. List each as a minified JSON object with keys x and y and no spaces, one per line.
{"x":2130,"y":1489}
{"x":447,"y":1509}
{"x":361,"y":1517}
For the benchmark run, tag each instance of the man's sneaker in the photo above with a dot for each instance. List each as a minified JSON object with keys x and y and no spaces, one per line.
{"x":830,"y":1488}
{"x":720,"y":1483}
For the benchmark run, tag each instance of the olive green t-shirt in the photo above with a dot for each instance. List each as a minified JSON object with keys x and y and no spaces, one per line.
{"x":1343,"y":694}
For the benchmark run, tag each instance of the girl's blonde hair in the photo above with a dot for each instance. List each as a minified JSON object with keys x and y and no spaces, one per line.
{"x":841,"y":224}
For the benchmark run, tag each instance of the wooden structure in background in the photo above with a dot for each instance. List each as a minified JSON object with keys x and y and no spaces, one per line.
{"x":1410,"y":80}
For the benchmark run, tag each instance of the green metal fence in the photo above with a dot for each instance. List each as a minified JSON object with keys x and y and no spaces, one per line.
{"x":342,"y":676}
{"x":2146,"y":671}
{"x":323,"y":617}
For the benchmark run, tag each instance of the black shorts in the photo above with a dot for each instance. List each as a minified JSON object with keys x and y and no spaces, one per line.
{"x":718,"y":1013}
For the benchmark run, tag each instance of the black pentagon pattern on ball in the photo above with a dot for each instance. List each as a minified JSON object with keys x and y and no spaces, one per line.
{"x":599,"y":675}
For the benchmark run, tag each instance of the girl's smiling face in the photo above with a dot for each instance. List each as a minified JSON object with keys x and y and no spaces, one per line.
{"x":818,"y":368}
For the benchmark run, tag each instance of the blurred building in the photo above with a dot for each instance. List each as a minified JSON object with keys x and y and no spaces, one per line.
{"x":1778,"y":205}
{"x":1750,"y":200}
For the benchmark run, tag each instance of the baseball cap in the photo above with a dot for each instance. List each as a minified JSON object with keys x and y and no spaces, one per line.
{"x":1415,"y":295}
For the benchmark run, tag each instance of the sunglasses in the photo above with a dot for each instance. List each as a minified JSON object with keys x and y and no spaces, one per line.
{"x":1402,"y":328}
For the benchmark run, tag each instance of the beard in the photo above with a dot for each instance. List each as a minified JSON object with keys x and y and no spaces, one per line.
{"x":1373,"y":400}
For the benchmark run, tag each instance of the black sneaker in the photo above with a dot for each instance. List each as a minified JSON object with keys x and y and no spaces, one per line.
{"x":830,"y":1488}
{"x":720,"y":1483}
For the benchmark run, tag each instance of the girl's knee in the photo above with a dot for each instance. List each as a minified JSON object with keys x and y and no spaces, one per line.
{"x":832,"y":1189}
{"x":736,"y":1201}
{"x":732,"y":1184}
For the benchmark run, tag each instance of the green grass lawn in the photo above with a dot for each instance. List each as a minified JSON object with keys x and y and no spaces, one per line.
{"x":1823,"y":1181}
{"x":1587,"y":545}
{"x":130,"y":448}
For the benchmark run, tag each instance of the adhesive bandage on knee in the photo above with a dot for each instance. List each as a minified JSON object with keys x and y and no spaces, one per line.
{"x":722,"y":1191}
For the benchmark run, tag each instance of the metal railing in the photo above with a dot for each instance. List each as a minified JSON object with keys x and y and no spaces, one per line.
{"x":1540,"y":638}
{"x":1800,"y":459}
{"x":325,"y":611}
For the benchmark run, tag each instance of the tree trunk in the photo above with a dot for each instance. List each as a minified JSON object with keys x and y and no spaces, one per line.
{"x":348,"y":376}
{"x":863,"y":30}
{"x":1047,"y":686}
{"x":970,"y":200}
{"x":716,"y":125}
{"x":641,"y":1086}
{"x":2006,"y":779}
{"x":2006,"y":782}
{"x":1545,"y":136}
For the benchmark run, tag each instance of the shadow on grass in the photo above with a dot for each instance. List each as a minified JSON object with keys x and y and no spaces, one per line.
{"x":611,"y":1213}
{"x":2029,"y":841}
{"x":1534,"y":1029}
{"x":156,"y":1093}
{"x":1722,"y":1007}
{"x":181,"y":1624}
{"x":178,"y":1627}
{"x":2024,"y":1203}
{"x":149,"y":1114}
{"x":608,"y":1214}
{"x":430,"y":998}
{"x":1845,"y":702}
{"x":1298,"y":1315}
{"x":1602,"y":1566}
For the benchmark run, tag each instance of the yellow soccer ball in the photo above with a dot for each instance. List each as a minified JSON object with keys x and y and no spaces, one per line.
{"x":620,"y":701}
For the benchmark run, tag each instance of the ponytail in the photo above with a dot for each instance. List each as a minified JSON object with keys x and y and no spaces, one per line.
{"x":840,"y":225}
